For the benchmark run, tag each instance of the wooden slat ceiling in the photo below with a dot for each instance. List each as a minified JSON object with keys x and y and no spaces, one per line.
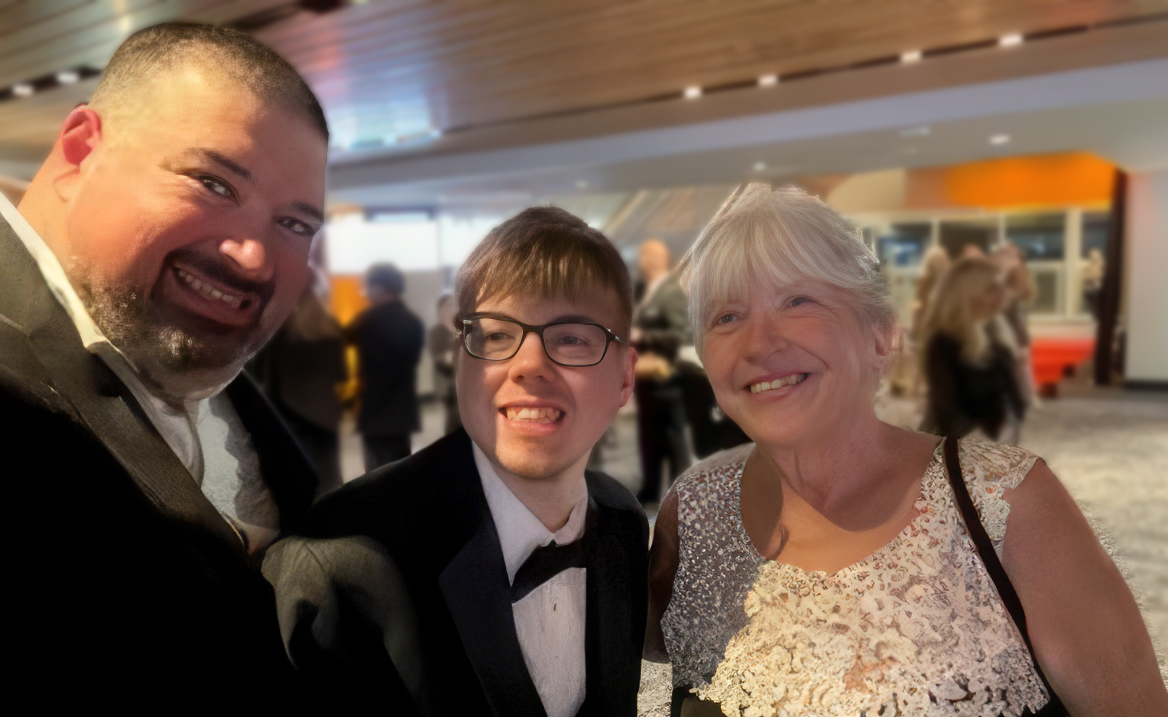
{"x":395,"y":68}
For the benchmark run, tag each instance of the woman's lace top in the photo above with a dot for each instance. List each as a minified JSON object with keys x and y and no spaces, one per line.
{"x":916,"y":628}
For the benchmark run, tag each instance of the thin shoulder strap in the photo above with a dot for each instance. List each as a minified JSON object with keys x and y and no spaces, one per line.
{"x":989,"y":557}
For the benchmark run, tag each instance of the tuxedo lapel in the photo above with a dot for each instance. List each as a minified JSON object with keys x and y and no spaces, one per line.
{"x":101,"y":401}
{"x":478,"y":596}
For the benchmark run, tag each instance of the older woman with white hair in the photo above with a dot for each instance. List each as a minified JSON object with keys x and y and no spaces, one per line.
{"x":840,"y":565}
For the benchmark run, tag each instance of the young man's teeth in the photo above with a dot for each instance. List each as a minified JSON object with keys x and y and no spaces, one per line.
{"x":777,"y":383}
{"x":208,"y":291}
{"x":539,"y":415}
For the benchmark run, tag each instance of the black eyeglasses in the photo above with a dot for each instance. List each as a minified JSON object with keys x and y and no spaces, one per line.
{"x":493,"y":337}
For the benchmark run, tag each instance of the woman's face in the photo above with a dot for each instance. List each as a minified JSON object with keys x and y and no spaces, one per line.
{"x":791,"y":363}
{"x":990,"y":301}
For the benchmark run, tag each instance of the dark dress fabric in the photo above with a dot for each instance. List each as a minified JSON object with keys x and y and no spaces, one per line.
{"x":300,"y":377}
{"x":431,"y":517}
{"x":126,"y":583}
{"x":963,"y":396}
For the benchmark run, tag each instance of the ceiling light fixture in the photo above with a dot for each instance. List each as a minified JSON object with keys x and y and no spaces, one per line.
{"x":581,"y":184}
{"x":1011,"y":40}
{"x":911,"y":56}
{"x":23,"y":90}
{"x":999,"y":139}
{"x":692,"y":92}
{"x":759,"y":166}
{"x":68,"y":77}
{"x":922,"y":131}
{"x":768,"y":80}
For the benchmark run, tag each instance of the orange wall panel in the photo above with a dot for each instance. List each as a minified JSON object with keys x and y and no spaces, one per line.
{"x":1044,"y":180}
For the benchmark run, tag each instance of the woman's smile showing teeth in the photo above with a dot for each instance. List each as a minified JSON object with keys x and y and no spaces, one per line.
{"x":791,"y":380}
{"x":535,"y":414}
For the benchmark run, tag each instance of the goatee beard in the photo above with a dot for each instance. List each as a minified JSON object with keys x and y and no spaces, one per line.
{"x":176,"y":363}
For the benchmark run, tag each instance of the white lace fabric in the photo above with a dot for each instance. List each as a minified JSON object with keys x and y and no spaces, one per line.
{"x":916,"y":628}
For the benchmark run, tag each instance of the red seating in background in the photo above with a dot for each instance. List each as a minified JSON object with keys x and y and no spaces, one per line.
{"x":1053,"y":358}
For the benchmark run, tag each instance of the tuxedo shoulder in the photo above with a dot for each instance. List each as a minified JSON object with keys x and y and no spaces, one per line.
{"x":607,"y":491}
{"x":406,"y":491}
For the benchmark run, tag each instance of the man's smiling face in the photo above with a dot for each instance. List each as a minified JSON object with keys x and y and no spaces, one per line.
{"x":533,"y":418}
{"x":188,"y":233}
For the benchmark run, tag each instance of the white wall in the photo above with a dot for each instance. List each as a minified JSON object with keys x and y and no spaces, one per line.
{"x":1146,"y":267}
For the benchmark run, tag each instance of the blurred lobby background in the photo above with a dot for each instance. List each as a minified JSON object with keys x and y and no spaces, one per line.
{"x":1040,"y":122}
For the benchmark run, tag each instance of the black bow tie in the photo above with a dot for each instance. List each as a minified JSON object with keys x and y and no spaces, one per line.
{"x":548,"y":561}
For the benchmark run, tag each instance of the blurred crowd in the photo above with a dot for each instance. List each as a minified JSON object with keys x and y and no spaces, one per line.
{"x":965,"y":358}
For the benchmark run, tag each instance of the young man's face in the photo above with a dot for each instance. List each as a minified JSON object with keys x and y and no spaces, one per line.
{"x":583,"y":400}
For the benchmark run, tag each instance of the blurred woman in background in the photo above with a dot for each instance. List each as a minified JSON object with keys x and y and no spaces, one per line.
{"x":1020,"y":290}
{"x":829,"y":568}
{"x":969,"y":356}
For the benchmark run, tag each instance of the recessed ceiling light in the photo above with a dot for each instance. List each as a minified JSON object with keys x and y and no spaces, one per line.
{"x":768,"y":80}
{"x":911,"y":56}
{"x":692,"y":92}
{"x":68,"y":77}
{"x":759,"y":166}
{"x":1000,"y":139}
{"x":922,"y":131}
{"x":1010,"y":40}
{"x":581,"y":184}
{"x":22,"y":90}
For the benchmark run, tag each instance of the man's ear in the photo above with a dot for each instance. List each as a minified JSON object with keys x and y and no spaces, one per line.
{"x":629,"y":376}
{"x":80,"y":134}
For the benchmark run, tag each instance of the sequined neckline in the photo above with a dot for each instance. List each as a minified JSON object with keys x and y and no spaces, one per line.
{"x":931,"y":474}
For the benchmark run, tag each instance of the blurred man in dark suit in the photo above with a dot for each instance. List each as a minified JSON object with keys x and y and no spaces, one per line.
{"x":160,"y":245}
{"x":389,"y":340}
{"x":660,"y":329}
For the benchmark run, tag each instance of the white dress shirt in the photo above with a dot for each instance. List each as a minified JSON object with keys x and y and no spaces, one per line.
{"x":550,"y":620}
{"x":205,"y":432}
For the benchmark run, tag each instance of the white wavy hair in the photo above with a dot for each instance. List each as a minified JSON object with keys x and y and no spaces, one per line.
{"x":763,"y":235}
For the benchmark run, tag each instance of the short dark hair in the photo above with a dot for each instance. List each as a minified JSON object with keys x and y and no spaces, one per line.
{"x":240,"y":57}
{"x":547,"y":252}
{"x":387,"y":277}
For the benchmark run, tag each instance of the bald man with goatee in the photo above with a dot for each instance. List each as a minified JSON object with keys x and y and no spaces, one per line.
{"x":160,"y":245}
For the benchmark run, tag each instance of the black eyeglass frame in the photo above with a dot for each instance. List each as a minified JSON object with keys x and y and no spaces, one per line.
{"x":609,"y":335}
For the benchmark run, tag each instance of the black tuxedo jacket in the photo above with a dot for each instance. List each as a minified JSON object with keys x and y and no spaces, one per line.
{"x":430,"y":513}
{"x":124,"y":582}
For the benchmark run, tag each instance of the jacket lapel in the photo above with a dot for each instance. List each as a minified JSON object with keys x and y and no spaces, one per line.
{"x":283,"y":465}
{"x":101,"y":401}
{"x":478,"y":596}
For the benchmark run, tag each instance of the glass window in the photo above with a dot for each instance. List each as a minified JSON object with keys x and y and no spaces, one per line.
{"x":1041,"y":237}
{"x":1096,"y":227}
{"x":903,"y":245}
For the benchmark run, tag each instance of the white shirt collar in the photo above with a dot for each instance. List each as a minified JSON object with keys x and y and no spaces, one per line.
{"x":520,"y":532}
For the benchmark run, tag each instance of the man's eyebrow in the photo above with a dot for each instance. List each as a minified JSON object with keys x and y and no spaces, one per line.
{"x":574,"y":319}
{"x":309,"y":210}
{"x":225,"y":162}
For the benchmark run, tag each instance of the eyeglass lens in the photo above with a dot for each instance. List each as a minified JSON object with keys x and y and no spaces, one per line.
{"x":568,"y":344}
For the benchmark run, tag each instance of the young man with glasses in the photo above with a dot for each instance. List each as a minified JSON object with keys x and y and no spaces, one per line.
{"x":490,"y":573}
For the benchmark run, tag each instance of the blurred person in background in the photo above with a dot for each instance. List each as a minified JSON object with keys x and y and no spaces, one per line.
{"x":933,"y":266}
{"x":660,"y":328}
{"x":442,"y":343}
{"x":969,"y":356}
{"x":301,"y":370}
{"x":164,"y":240}
{"x":1093,"y":281}
{"x":1019,"y":291}
{"x":841,"y":565}
{"x":389,"y":340}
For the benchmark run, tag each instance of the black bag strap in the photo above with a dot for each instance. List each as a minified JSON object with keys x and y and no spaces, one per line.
{"x":989,"y":558}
